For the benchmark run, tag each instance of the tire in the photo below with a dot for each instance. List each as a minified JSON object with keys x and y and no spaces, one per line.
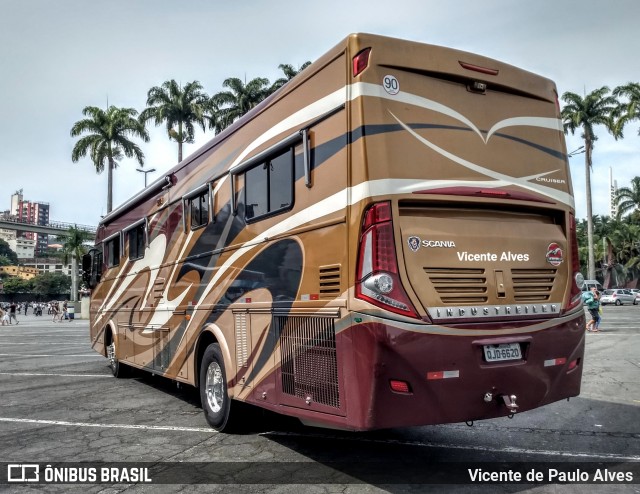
{"x":635,"y":302}
{"x":618,"y":302}
{"x":218,"y":409}
{"x":118,"y":369}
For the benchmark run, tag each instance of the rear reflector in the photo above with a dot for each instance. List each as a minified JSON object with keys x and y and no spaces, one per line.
{"x":399,"y":386}
{"x":432,"y":376}
{"x":555,"y":361}
{"x":573,"y":364}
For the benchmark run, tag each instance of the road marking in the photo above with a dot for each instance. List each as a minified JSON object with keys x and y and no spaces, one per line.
{"x":508,"y":449}
{"x":109,"y":426}
{"x":48,"y":343}
{"x":56,"y":375}
{"x":62,"y":355}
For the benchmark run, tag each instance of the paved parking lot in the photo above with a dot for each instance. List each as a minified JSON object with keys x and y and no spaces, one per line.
{"x":59,"y":403}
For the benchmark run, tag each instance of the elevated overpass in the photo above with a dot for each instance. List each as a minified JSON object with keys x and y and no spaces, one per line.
{"x":53,"y":228}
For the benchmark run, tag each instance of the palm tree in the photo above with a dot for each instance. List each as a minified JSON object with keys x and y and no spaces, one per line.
{"x":596,"y":108}
{"x":289,"y":73}
{"x":73,"y":245}
{"x":628,"y":198}
{"x":180,"y":108}
{"x":107,"y":140}
{"x":228,"y":106}
{"x":630,"y":110}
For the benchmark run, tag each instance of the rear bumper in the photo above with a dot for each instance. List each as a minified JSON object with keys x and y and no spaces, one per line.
{"x":383,"y":352}
{"x":444,"y":367}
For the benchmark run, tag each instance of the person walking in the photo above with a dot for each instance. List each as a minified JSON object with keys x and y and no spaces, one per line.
{"x":592,"y":300}
{"x":55,"y":312}
{"x":12,"y":313}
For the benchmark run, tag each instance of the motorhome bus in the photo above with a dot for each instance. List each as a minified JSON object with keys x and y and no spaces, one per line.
{"x":389,"y":240}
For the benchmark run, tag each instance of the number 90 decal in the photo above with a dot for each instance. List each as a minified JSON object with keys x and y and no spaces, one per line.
{"x":391,"y":84}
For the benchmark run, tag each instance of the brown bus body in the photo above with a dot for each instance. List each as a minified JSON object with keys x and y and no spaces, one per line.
{"x":388,"y":240}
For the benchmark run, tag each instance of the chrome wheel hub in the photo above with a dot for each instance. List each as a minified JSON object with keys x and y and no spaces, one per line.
{"x":214,"y":387}
{"x":111,"y":353}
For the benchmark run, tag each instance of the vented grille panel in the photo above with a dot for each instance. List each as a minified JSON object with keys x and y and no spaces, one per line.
{"x":308,"y":358}
{"x":532,"y":285}
{"x":242,"y":347}
{"x":329,"y":281}
{"x":459,"y":285}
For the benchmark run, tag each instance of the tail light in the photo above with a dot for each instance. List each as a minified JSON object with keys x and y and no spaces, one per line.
{"x":377,"y":279}
{"x":361,"y":61}
{"x":575,"y":296}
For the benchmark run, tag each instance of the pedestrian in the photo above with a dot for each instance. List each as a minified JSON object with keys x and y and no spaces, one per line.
{"x":12,"y":313}
{"x":592,"y":300}
{"x":55,"y":312}
{"x":65,"y":312}
{"x":3,"y":314}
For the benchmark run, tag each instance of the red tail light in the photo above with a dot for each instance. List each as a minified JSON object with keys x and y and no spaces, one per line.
{"x":575,"y":296}
{"x":377,"y":279}
{"x":361,"y":61}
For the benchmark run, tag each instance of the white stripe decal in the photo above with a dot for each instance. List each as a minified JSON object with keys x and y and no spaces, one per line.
{"x":295,"y":120}
{"x":540,"y":189}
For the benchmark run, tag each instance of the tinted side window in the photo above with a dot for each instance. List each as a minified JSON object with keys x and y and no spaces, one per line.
{"x":269,"y":186}
{"x":199,"y":210}
{"x":256,"y":192}
{"x":281,"y":181}
{"x":112,"y":252}
{"x":136,"y":242}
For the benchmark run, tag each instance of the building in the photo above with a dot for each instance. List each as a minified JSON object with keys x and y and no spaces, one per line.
{"x":49,"y":265}
{"x":23,"y":247}
{"x":31,"y":212}
{"x":26,"y":273}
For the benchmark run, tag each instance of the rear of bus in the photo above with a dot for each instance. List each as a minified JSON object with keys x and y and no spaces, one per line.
{"x":466,"y":291}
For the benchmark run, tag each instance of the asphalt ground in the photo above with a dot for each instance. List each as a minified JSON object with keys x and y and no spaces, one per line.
{"x":60,"y":406}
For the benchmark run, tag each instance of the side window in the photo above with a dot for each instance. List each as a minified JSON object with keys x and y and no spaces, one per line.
{"x":112,"y":251}
{"x":136,"y":237}
{"x":199,"y":210}
{"x":269,"y":186}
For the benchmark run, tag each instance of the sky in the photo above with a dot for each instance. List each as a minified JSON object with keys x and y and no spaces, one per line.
{"x":57,"y":57}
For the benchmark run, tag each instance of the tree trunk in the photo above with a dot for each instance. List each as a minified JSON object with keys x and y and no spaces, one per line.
{"x":608,"y":268}
{"x":591,"y":266}
{"x":74,"y":278}
{"x":110,"y":186}
{"x":179,"y":142}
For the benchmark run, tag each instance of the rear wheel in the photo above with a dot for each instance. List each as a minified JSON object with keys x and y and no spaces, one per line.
{"x":118,"y":369}
{"x":219,"y":410}
{"x":618,"y":302}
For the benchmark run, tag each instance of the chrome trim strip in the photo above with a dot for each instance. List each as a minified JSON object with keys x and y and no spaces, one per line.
{"x":493,"y":311}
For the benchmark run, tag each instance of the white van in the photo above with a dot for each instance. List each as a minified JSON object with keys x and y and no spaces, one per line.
{"x":588,"y":284}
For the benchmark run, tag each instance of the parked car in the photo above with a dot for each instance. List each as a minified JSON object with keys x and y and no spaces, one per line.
{"x":618,"y":296}
{"x":636,"y":292}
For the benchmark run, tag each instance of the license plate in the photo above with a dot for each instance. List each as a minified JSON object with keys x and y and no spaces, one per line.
{"x":506,"y":351}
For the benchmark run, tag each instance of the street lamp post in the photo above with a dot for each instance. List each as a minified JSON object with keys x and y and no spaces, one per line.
{"x":590,"y":250}
{"x":145,"y":174}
